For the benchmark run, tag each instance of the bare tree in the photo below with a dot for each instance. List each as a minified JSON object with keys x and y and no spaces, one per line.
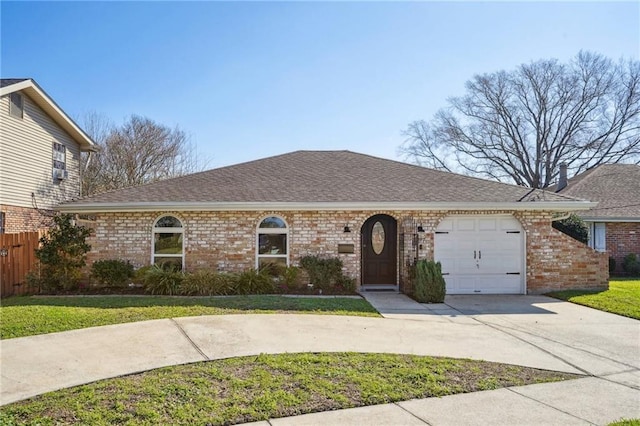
{"x":98,"y":127}
{"x":139,"y":151}
{"x":518,"y":126}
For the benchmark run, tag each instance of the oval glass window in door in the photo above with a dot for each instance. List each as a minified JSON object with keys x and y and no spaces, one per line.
{"x":377,"y":238}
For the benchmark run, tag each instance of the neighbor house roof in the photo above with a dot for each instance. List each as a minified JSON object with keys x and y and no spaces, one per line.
{"x":313,"y":180}
{"x":616,"y":188}
{"x":40,"y":97}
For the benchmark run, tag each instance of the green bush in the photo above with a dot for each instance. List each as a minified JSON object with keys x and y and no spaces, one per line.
{"x":323,"y":273}
{"x":140,"y":274}
{"x":253,"y":281}
{"x":62,"y":254}
{"x":112,"y":272}
{"x":346,"y":284}
{"x":290,"y":278}
{"x":612,"y":265}
{"x":208,"y":283}
{"x":631,"y":265}
{"x":429,"y":285}
{"x":574,"y":227}
{"x":165,"y":281}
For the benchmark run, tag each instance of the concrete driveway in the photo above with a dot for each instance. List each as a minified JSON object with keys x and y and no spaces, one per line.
{"x":595,"y":342}
{"x":533,"y":331}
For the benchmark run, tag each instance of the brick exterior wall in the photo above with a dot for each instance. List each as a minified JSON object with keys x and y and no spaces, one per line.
{"x":622,"y":238}
{"x":226,"y":241}
{"x":23,"y":219}
{"x":556,"y":261}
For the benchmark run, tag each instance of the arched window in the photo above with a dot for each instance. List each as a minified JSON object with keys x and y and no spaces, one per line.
{"x":272,"y":245}
{"x":168,"y":243}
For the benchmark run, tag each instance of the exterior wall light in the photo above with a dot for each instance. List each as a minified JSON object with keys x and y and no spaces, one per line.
{"x":420,"y":228}
{"x":346,"y":228}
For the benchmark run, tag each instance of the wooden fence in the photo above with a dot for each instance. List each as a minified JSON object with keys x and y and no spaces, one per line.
{"x":17,"y":258}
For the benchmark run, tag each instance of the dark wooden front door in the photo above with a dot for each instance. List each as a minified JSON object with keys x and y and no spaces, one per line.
{"x":379,"y":250}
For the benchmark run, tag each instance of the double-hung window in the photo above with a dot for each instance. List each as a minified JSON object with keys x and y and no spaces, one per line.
{"x":168,"y":243}
{"x":272,"y":244}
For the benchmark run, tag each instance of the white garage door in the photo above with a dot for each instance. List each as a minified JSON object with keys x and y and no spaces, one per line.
{"x":481,"y":254}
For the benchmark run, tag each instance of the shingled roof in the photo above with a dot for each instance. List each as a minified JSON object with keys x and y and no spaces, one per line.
{"x":321,"y":179}
{"x":616,"y":188}
{"x":9,"y":81}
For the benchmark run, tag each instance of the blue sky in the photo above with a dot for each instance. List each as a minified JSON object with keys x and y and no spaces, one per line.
{"x":252,"y":79}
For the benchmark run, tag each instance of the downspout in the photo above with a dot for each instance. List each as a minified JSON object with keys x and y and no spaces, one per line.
{"x":83,"y":171}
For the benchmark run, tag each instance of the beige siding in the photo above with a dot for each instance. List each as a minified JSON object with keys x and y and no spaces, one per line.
{"x":26,"y":165}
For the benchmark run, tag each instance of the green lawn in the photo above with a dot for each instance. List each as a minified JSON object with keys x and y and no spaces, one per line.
{"x":622,"y":298}
{"x":626,"y":422}
{"x":238,"y":390}
{"x":26,"y":316}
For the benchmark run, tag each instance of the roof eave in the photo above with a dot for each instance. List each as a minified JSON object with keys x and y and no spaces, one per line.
{"x":40,"y":97}
{"x":609,"y":219}
{"x":562,"y":206}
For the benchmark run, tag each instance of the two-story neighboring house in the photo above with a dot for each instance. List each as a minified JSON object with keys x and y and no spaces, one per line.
{"x":40,"y":148}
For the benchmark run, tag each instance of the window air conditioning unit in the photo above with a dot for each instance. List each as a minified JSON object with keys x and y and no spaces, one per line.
{"x":59,"y":174}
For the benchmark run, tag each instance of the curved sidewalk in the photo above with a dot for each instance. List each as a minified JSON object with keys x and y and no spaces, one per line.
{"x":524,"y":330}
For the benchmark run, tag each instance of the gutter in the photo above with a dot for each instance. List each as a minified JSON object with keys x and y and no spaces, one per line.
{"x":609,"y":219}
{"x":559,"y":206}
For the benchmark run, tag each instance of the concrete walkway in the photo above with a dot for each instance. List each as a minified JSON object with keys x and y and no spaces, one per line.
{"x":525,"y":330}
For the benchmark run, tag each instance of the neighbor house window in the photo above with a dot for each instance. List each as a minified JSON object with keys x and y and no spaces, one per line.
{"x":59,"y":161}
{"x":168,"y":243}
{"x":598,"y":236}
{"x":16,"y":105}
{"x":272,"y":244}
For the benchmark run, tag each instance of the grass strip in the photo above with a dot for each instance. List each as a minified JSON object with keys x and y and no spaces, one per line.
{"x":26,"y":316}
{"x":246,"y":389}
{"x":622,"y":298}
{"x":626,"y":422}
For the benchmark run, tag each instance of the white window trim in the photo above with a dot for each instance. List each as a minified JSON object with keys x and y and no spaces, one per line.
{"x":167,"y":230}
{"x":594,"y":227}
{"x":272,"y":231}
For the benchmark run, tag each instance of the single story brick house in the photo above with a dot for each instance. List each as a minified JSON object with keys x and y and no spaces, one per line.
{"x":377,"y":215}
{"x":614,"y":224}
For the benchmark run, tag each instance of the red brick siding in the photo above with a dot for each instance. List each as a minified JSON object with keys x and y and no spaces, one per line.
{"x":22,"y":219}
{"x":622,"y":238}
{"x":556,"y":261}
{"x":227,"y":241}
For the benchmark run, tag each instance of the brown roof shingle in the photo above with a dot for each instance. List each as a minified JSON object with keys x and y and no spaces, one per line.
{"x":323,"y":177}
{"x":616,"y":188}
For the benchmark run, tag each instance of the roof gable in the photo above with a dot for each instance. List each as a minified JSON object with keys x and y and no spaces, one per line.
{"x":328,"y":178}
{"x":40,"y":97}
{"x":616,"y":188}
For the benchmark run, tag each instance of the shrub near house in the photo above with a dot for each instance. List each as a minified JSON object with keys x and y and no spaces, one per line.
{"x":62,"y":255}
{"x":316,"y":276}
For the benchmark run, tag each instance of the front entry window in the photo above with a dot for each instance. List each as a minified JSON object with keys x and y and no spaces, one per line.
{"x":168,"y":243}
{"x":377,"y":238}
{"x":272,"y":244}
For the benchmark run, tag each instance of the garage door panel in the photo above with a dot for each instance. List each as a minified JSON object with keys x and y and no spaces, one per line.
{"x":465,"y":225}
{"x":487,"y":225}
{"x":498,"y":244}
{"x":460,"y":284}
{"x":498,"y":284}
{"x":445,"y":225}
